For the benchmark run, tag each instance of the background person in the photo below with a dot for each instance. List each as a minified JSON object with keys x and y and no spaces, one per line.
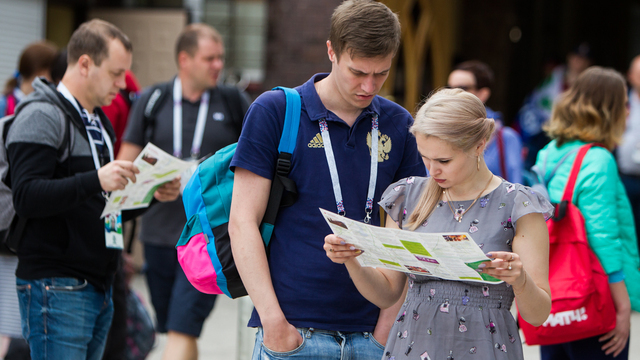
{"x":35,"y":61}
{"x":628,"y":152}
{"x":504,"y":151}
{"x":593,"y":111}
{"x":537,"y":107}
{"x":454,"y":319}
{"x":181,"y":309}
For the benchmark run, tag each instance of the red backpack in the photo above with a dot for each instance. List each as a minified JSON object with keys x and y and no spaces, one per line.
{"x":581,"y":302}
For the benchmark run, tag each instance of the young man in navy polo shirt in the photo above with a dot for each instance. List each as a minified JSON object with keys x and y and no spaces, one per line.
{"x":305,"y":304}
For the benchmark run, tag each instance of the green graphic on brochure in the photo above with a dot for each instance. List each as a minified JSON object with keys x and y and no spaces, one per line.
{"x":149,"y":197}
{"x":160,"y":176}
{"x":390,"y":262}
{"x":415,"y":248}
{"x":474,"y":266}
{"x":392,"y":246}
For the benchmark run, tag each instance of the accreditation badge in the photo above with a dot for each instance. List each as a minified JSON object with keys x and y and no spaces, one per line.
{"x":113,"y":231}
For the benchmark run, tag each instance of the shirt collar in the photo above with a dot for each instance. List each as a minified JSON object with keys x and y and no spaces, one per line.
{"x":62,"y":89}
{"x":316,"y":109}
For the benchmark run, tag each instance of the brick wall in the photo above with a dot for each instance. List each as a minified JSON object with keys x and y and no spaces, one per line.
{"x":296,"y":40}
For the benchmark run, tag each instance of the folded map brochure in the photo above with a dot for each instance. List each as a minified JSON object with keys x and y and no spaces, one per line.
{"x":451,"y":256}
{"x":156,"y":168}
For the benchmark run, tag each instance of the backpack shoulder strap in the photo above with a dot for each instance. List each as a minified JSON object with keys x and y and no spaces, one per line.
{"x":65,"y":151}
{"x":291,"y":124}
{"x":5,"y":123}
{"x":567,"y":196}
{"x":151,"y":107}
{"x":281,"y":185}
{"x":575,"y":170}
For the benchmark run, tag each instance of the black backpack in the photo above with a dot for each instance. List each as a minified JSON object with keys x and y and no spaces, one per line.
{"x":11,"y":225}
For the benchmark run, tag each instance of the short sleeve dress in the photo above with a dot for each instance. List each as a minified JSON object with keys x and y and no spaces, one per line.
{"x":443,"y":319}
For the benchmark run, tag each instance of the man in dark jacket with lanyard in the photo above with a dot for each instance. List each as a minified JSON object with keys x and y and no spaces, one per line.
{"x":61,"y":159}
{"x":190,"y":117}
{"x":305,"y":305}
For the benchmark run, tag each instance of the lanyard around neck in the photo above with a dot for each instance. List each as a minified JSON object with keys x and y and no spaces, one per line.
{"x":177,"y":121}
{"x":107,"y":140}
{"x":333,"y":169}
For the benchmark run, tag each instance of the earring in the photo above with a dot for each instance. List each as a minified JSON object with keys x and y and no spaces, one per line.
{"x":478,"y":162}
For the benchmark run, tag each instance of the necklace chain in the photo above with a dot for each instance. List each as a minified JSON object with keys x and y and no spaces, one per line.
{"x":458,"y":213}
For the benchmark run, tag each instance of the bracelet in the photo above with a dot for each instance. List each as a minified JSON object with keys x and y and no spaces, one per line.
{"x":524,"y":285}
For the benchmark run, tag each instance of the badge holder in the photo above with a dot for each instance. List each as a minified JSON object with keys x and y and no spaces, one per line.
{"x":113,"y":231}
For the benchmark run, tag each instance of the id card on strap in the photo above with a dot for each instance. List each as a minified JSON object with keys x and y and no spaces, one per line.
{"x":113,"y":231}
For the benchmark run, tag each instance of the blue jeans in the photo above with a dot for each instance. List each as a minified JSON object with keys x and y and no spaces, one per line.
{"x":325,"y":345}
{"x":64,"y":318}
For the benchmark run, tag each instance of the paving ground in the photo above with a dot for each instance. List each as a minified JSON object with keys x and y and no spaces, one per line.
{"x":219,"y":339}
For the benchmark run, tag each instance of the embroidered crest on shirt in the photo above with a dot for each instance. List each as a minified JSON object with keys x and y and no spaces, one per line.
{"x":384,"y":146}
{"x":316,"y":142}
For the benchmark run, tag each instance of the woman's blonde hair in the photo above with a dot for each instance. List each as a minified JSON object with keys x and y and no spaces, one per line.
{"x":592,"y":110}
{"x":457,"y":117}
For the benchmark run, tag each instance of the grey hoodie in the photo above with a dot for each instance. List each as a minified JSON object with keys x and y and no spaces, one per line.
{"x":60,"y":195}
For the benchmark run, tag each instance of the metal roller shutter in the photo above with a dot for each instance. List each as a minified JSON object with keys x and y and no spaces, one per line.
{"x":21,"y":22}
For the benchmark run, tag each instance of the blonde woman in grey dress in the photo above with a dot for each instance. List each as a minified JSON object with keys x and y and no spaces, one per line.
{"x":455,"y":320}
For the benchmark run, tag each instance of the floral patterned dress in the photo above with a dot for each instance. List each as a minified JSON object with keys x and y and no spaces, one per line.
{"x":456,"y":320}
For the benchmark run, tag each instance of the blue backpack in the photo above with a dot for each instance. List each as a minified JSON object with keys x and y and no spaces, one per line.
{"x":204,"y":248}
